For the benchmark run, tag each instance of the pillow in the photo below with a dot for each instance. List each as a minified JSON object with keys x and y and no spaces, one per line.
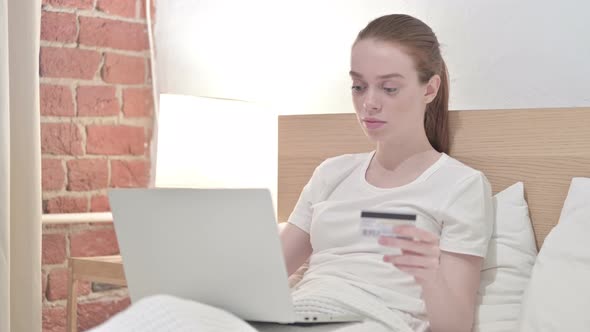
{"x":507,"y":266}
{"x":558,"y":295}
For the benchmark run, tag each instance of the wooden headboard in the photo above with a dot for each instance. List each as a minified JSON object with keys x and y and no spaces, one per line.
{"x":544,"y":148}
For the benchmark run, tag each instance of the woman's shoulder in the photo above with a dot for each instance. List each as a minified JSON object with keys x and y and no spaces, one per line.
{"x":454,"y":170}
{"x":343,"y":162}
{"x":333,"y":170}
{"x":460,"y":180}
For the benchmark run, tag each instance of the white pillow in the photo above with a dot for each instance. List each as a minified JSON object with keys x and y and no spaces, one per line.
{"x":507,"y":267}
{"x":558,"y":295}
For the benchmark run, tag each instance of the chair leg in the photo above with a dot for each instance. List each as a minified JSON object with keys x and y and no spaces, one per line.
{"x":72,"y":319}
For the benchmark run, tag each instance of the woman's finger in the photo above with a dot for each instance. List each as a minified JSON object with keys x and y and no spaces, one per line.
{"x":416,"y":272}
{"x":417,"y":261}
{"x":413,"y":232}
{"x":422,"y":248}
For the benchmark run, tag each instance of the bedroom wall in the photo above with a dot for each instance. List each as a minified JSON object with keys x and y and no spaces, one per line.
{"x":96,"y":120}
{"x":501,"y":54}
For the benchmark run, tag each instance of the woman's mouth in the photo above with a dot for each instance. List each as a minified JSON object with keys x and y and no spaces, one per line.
{"x":373,"y":123}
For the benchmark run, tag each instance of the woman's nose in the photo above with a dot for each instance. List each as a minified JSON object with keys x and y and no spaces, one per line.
{"x":371,"y":104}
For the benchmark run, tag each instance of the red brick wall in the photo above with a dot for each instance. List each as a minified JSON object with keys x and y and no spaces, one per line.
{"x":96,"y":120}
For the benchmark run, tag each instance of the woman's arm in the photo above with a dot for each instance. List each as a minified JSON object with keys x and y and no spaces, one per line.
{"x":450,"y":300}
{"x":296,"y":246}
{"x":449,"y":280}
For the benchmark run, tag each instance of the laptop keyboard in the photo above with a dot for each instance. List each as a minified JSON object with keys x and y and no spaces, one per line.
{"x":318,"y":306}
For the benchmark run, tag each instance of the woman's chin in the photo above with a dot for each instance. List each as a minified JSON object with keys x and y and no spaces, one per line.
{"x":374,"y":135}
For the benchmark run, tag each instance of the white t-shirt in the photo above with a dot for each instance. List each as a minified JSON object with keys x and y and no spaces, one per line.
{"x":450,"y":199}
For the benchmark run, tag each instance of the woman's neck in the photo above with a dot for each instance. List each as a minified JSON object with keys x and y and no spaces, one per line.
{"x":391,"y":154}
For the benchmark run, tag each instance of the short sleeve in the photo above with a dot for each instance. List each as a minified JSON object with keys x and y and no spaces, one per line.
{"x":302,"y":213}
{"x":467,"y":217}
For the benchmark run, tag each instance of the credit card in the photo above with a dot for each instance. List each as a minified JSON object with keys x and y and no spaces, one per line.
{"x":375,"y":223}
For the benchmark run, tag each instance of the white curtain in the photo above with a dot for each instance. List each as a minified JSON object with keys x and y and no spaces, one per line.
{"x":20,"y":167}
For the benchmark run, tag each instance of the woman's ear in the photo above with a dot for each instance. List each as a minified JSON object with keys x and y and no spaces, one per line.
{"x":432,"y":88}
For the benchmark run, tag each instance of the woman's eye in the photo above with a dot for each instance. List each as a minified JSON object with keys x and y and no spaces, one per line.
{"x":358,"y":88}
{"x":390,"y":90}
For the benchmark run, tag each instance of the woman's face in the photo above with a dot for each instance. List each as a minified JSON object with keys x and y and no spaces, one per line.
{"x":388,"y":98}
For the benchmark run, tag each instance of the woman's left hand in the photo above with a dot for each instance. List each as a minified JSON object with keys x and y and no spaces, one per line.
{"x":420,"y":253}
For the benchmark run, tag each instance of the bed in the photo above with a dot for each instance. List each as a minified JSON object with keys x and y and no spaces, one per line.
{"x":544,"y":148}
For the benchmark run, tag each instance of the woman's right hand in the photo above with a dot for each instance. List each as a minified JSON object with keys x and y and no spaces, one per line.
{"x":296,"y":246}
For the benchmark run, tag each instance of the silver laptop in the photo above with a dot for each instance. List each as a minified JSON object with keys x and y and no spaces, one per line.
{"x":217,"y":246}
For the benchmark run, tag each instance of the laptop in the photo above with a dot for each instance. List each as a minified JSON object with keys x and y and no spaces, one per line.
{"x":220,"y":247}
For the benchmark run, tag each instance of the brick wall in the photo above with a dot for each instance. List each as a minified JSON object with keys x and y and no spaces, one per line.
{"x":96,"y":120}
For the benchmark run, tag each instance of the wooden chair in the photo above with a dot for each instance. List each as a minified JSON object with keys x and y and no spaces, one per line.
{"x":105,"y":269}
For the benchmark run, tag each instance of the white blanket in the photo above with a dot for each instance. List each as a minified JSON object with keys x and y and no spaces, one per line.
{"x":164,"y":313}
{"x":379,"y":317}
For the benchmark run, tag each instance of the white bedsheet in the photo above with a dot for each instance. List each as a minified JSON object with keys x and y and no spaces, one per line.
{"x":164,"y":313}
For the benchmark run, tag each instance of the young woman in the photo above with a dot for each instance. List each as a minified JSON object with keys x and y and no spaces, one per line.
{"x":425,"y":280}
{"x":400,"y":92}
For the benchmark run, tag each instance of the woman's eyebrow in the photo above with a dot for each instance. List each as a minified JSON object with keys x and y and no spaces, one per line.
{"x":392,"y":75}
{"x":355,"y":74}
